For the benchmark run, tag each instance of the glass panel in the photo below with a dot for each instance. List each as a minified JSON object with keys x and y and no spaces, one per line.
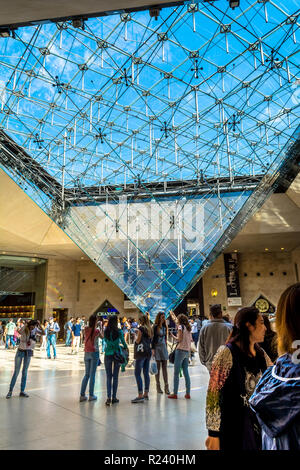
{"x":151,"y":142}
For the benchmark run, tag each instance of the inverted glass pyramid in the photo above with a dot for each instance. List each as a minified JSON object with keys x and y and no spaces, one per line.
{"x":151,"y":142}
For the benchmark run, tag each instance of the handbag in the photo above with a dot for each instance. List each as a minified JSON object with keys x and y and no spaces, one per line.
{"x":119,"y":356}
{"x":172,"y":354}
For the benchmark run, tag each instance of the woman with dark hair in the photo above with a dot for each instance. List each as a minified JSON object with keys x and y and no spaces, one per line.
{"x":160,"y":351}
{"x":24,"y":354}
{"x":91,"y":358}
{"x":142,"y":355}
{"x":236,"y":369}
{"x":269,"y":343}
{"x":114,"y":337}
{"x":276,"y":400}
{"x":182,"y":353}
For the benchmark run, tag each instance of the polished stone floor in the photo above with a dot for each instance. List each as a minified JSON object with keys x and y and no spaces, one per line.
{"x":53,"y":418}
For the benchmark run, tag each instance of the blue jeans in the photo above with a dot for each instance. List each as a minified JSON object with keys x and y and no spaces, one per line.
{"x":68,"y":338}
{"x":20,"y":356}
{"x":195,"y":337}
{"x":142,"y":365}
{"x":11,"y":339}
{"x":182,"y":360}
{"x":51,"y":341}
{"x":112,"y":376}
{"x":91,"y":361}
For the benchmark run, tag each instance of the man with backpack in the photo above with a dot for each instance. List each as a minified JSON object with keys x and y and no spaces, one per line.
{"x":51,"y":330}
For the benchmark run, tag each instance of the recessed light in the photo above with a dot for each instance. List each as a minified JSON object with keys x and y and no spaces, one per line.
{"x":266,"y":249}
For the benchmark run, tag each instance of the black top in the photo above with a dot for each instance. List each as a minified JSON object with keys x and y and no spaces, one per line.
{"x":270,"y":345}
{"x":239,"y":426}
{"x":143,"y":349}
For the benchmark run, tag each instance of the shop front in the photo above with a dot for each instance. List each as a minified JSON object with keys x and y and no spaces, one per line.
{"x":22,"y":287}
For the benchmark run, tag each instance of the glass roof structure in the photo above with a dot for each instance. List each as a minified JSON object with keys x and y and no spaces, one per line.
{"x":151,"y":142}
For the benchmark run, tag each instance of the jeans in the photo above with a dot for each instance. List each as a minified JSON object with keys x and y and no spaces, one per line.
{"x":10,"y":338}
{"x":111,"y":375}
{"x":51,"y":341}
{"x":68,"y":338}
{"x":75,"y":343}
{"x":142,"y":365}
{"x":91,"y":361}
{"x":20,"y":356}
{"x":195,"y":337}
{"x":181,"y":360}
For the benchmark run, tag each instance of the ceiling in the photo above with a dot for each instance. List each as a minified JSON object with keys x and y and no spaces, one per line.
{"x":26,"y":229}
{"x":198,"y":96}
{"x":25,"y":11}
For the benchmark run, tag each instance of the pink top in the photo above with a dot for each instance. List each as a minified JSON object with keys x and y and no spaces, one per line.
{"x":185,"y":343}
{"x":91,"y":342}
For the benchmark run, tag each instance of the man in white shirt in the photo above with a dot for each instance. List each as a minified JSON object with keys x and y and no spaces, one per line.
{"x":10,"y":331}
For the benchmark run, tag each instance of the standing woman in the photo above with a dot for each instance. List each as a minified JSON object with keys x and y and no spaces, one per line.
{"x":160,"y":351}
{"x":276,"y":400}
{"x":44,"y":337}
{"x":113,"y":338}
{"x":236,"y":369}
{"x":25,"y":353}
{"x":91,"y":358}
{"x":182,"y":353}
{"x":142,"y":355}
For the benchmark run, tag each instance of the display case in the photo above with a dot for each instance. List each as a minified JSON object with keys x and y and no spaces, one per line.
{"x":17,"y":311}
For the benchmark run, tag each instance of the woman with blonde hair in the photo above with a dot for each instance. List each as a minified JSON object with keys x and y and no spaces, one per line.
{"x":160,"y":351}
{"x":142,"y":355}
{"x":276,"y":399}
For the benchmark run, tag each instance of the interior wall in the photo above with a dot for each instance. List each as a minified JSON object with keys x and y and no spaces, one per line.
{"x":252,"y":285}
{"x":81,"y":287}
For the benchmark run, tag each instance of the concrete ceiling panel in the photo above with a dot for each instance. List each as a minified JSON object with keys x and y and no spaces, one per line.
{"x":24,"y":11}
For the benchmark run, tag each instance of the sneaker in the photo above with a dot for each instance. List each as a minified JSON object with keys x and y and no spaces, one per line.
{"x":9,"y":395}
{"x":138,"y":400}
{"x":92,"y":398}
{"x":115,"y":400}
{"x":146,"y":397}
{"x":173,"y":396}
{"x":187,"y":396}
{"x":23,"y":394}
{"x":108,"y":402}
{"x":83,"y":398}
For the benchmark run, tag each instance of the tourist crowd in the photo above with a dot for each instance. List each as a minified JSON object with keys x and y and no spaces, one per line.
{"x":253,"y":396}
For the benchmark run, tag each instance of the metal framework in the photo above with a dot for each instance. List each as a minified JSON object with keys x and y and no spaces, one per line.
{"x":152,"y":142}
